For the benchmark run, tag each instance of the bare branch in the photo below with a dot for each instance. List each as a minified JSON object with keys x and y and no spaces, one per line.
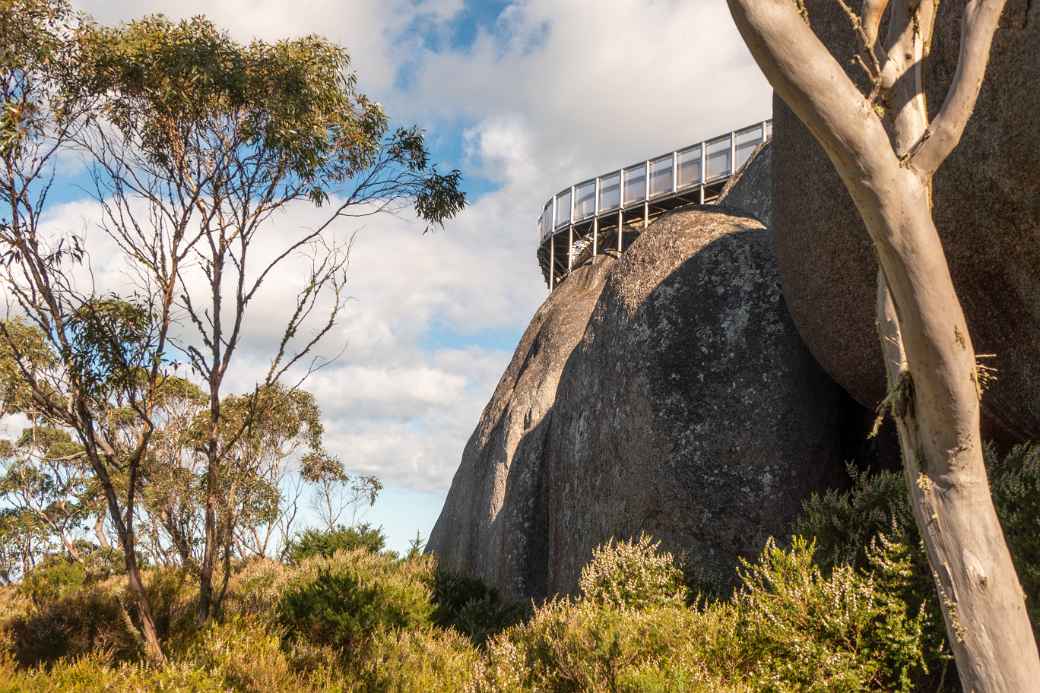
{"x":873,"y":12}
{"x":981,"y":20}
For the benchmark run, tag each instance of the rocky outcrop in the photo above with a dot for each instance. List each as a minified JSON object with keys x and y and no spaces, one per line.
{"x":987,"y":207}
{"x":666,"y":392}
{"x":690,"y":409}
{"x":493,"y":523}
{"x":751,"y":189}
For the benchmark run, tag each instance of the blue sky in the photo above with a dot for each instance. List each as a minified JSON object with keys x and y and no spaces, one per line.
{"x":524,"y":97}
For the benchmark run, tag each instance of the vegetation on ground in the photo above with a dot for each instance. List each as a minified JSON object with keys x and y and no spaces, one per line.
{"x":844,"y":604}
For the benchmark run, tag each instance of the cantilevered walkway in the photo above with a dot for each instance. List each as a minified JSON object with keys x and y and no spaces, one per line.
{"x":606,"y":213}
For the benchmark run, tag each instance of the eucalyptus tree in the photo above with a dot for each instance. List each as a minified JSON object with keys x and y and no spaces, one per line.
{"x":197,"y":143}
{"x":46,"y":481}
{"x":336,"y":490}
{"x":203,"y":143}
{"x":70,"y":354}
{"x":887,"y":147}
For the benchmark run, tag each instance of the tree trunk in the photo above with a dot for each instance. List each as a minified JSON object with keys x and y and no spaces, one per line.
{"x":153,"y":650}
{"x":208,"y":554}
{"x":931,"y":364}
{"x":127,"y":541}
{"x":934,"y":399}
{"x":99,"y":531}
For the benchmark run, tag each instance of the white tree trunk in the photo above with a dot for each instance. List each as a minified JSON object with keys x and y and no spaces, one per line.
{"x":930,"y":362}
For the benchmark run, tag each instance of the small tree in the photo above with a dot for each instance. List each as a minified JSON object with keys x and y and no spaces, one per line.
{"x":887,"y":149}
{"x":336,"y":491}
{"x":47,"y":481}
{"x":203,"y":142}
{"x":73,"y":354}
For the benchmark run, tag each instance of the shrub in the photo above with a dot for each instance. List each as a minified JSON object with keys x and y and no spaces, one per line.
{"x":89,"y":620}
{"x":99,"y":618}
{"x":471,"y":607}
{"x":343,"y":600}
{"x":59,"y":575}
{"x":419,"y":659}
{"x":789,"y":627}
{"x":840,"y":632}
{"x":632,"y":574}
{"x":255,"y":588}
{"x":577,"y":646}
{"x":95,"y":673}
{"x":246,"y":655}
{"x":316,"y":542}
{"x":1015,"y":482}
{"x":843,"y":523}
{"x":53,"y":578}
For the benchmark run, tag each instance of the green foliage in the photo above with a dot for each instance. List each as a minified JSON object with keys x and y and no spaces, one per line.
{"x":33,"y":61}
{"x":96,"y":672}
{"x":1015,"y":483}
{"x":185,"y":94}
{"x":342,"y":601}
{"x":788,"y":628}
{"x":632,"y":574}
{"x":52,"y":579}
{"x":844,"y":523}
{"x":471,"y":607}
{"x":860,"y":616}
{"x":847,"y":526}
{"x":418,"y":659}
{"x":316,"y":542}
{"x":840,"y":632}
{"x":21,"y":345}
{"x":111,"y":340}
{"x":90,"y":619}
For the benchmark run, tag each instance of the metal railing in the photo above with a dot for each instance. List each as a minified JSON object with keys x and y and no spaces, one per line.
{"x":679,"y":172}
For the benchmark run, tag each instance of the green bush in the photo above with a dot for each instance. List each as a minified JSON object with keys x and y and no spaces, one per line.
{"x":838,"y":632}
{"x":845,"y":523}
{"x":89,"y":620}
{"x":1015,"y":482}
{"x":53,"y":578}
{"x":471,"y":607}
{"x":632,"y":574}
{"x":342,"y":601}
{"x":316,"y":542}
{"x":95,"y":672}
{"x":788,"y":628}
{"x":418,"y":659}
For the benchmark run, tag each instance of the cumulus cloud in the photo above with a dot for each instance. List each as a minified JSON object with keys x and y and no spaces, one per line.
{"x":546,"y":93}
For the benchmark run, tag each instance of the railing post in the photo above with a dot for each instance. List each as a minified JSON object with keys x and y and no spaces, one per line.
{"x":570,"y":247}
{"x":646,"y":193}
{"x":552,"y":260}
{"x":732,"y":153}
{"x":620,"y":225}
{"x":675,"y":172}
{"x":704,"y":168}
{"x":765,"y":129}
{"x":595,"y":222}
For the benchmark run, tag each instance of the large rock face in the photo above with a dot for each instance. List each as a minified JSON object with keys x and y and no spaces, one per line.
{"x":667,"y":392}
{"x":987,"y":207}
{"x":493,"y":523}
